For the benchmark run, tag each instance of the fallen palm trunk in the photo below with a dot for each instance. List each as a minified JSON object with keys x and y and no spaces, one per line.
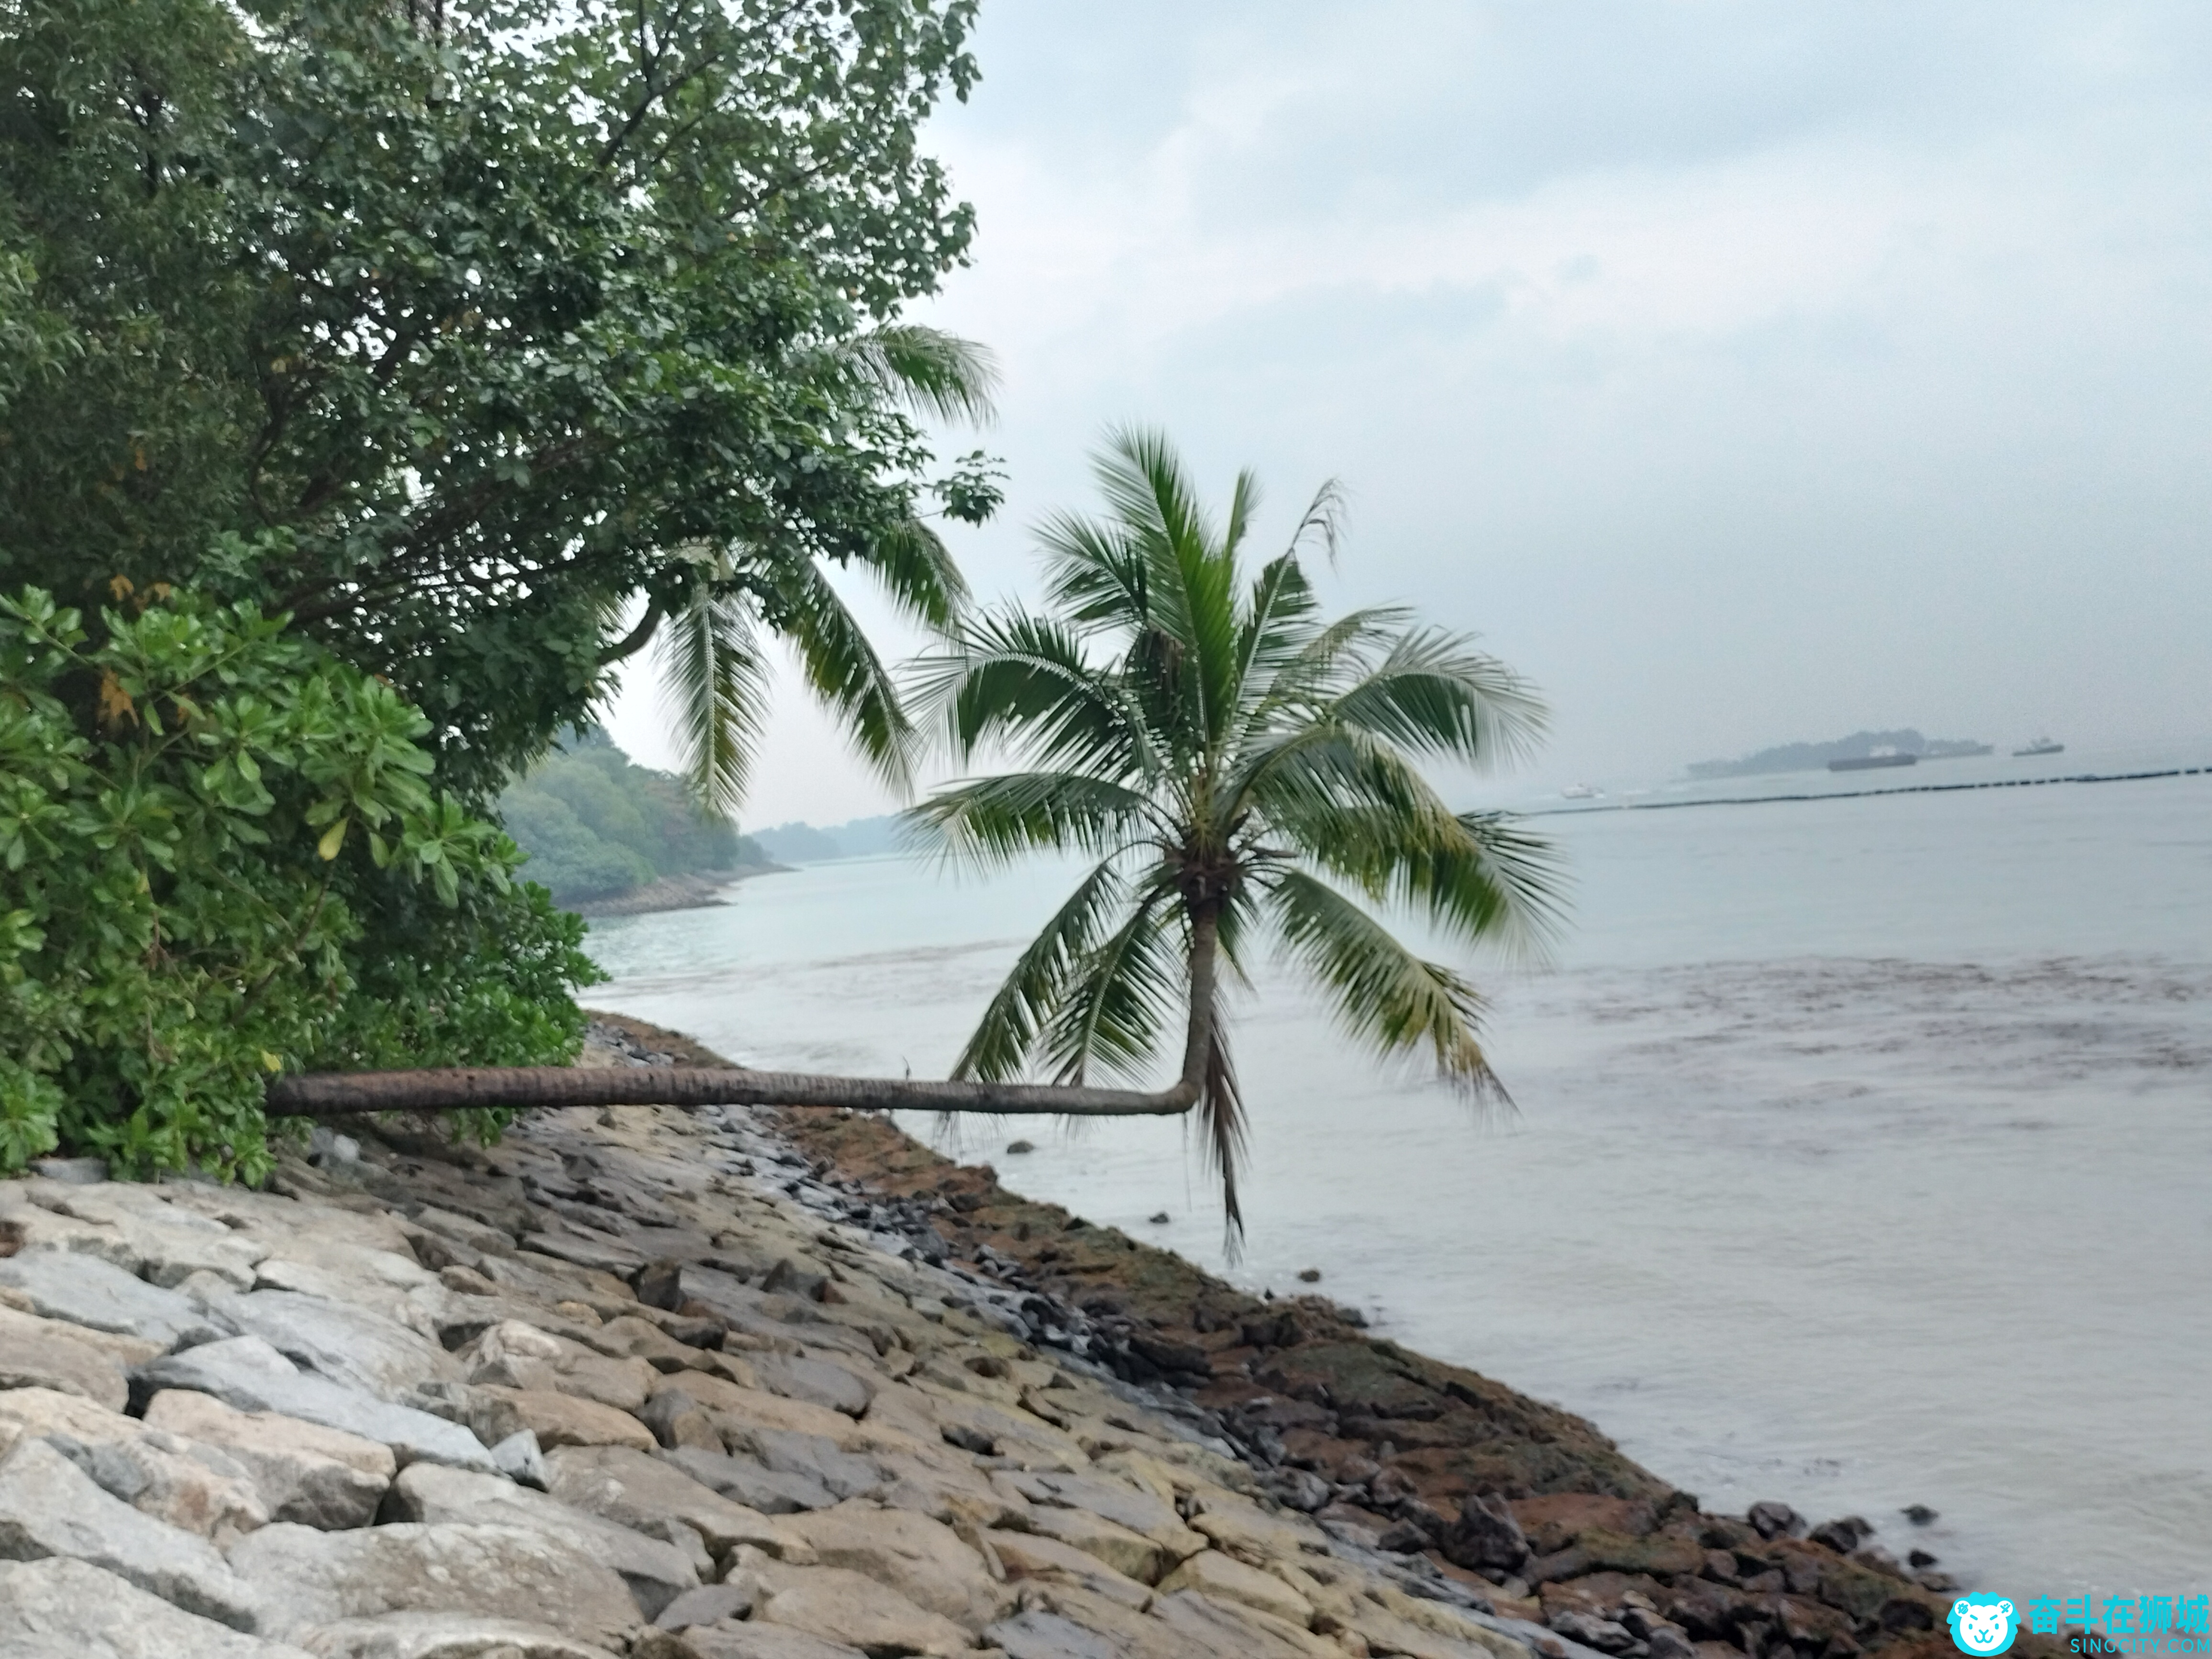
{"x":344,"y":1094}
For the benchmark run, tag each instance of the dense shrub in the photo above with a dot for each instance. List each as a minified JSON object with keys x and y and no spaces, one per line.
{"x":221,"y":859}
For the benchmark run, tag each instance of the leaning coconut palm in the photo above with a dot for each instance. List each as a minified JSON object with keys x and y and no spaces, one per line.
{"x":710,"y":648}
{"x":1242,"y":771}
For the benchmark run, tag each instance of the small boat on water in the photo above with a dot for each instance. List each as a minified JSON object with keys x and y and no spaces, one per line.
{"x":1871,"y":763}
{"x":1581,"y":792}
{"x":2041,"y":746}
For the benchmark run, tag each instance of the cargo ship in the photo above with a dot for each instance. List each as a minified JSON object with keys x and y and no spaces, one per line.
{"x":2041,"y":746}
{"x":1871,"y":763}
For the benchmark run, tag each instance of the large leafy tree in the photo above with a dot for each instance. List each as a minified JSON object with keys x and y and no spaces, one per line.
{"x":1240,"y":770}
{"x":481,"y":337}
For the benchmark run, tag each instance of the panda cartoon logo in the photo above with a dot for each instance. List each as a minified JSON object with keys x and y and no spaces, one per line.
{"x":1982,"y":1625}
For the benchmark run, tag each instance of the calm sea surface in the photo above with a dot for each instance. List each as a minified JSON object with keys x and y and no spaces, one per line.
{"x":1862,"y":1154}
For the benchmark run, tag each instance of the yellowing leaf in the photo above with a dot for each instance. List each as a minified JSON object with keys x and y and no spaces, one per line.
{"x":120,"y":586}
{"x":270,"y":1062}
{"x":333,"y":838}
{"x":115,"y":704}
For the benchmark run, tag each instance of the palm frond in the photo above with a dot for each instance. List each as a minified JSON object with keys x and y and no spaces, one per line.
{"x":916,"y":571}
{"x":927,"y":370}
{"x":1225,"y":1134}
{"x":1096,"y":573}
{"x":841,"y":667}
{"x":1323,"y":520}
{"x":988,"y":821}
{"x":1036,"y":990}
{"x":714,"y":674}
{"x":1435,"y":695}
{"x":1384,"y":995}
{"x":1024,"y":681}
{"x":1119,"y":998}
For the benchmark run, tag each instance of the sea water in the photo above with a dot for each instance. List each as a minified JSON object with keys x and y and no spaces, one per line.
{"x":1860,"y":1156}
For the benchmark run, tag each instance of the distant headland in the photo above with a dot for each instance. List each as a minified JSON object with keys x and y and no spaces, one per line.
{"x":1814,"y":756}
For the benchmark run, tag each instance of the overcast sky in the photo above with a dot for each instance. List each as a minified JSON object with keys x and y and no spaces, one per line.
{"x":1741,"y":372}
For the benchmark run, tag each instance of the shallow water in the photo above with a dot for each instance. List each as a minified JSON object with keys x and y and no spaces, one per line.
{"x":1862,"y":1154}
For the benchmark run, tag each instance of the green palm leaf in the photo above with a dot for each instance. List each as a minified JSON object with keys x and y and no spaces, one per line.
{"x":718,"y":683}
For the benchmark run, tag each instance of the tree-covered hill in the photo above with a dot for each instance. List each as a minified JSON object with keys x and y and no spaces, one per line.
{"x":597,"y":825}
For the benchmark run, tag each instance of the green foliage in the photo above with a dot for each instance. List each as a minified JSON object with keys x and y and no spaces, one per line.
{"x":222,"y":857}
{"x":595,"y":824}
{"x":451,"y":330}
{"x":1243,"y":771}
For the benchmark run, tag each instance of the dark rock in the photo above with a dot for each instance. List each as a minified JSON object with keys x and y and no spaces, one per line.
{"x":1018,"y":1147}
{"x":1720,"y":1567}
{"x":1774,"y":1520}
{"x":1488,"y":1535}
{"x":1919,"y":1514}
{"x":1310,"y":1276}
{"x":1708,"y":1611}
{"x":1403,"y":1538}
{"x":1902,"y":1612}
{"x":659,"y":1284}
{"x":1770,"y":1583}
{"x":1591,"y":1631}
{"x":1569,"y":1563}
{"x":1921,"y":1558}
{"x":966,"y":1203}
{"x":1160,"y":1219}
{"x":1843,"y":1536}
{"x":1172,"y":1356}
{"x":1669,"y":1642}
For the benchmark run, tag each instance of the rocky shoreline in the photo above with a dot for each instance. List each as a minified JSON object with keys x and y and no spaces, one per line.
{"x":747,"y":1385}
{"x":688,"y":892}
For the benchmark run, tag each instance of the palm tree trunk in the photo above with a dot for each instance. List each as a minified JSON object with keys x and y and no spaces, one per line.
{"x":347,"y":1094}
{"x":344,"y":1094}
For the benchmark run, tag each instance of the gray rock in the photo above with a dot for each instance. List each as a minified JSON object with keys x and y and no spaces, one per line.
{"x":471,"y":1235}
{"x":344,"y":1343}
{"x":1047,"y":1636}
{"x":757,"y":1641}
{"x":656,"y":1572}
{"x":676,"y":1420}
{"x":86,"y":1291}
{"x":815,"y":1457}
{"x":746,"y":1480}
{"x":302,"y":1471}
{"x":71,"y":1171}
{"x":442,"y":1636}
{"x":520,"y":1461}
{"x":52,"y":1354}
{"x":247,"y":1374}
{"x":818,"y":1381}
{"x":1302,"y":1490}
{"x":636,"y":1489}
{"x":306,"y":1579}
{"x":66,"y":1609}
{"x":50,"y":1508}
{"x":709,"y":1605}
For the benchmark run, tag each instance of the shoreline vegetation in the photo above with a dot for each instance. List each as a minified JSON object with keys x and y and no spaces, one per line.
{"x":1522,"y":1503}
{"x":701,"y":890}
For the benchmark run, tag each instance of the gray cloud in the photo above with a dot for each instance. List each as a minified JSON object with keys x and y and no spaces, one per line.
{"x":1743,"y":371}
